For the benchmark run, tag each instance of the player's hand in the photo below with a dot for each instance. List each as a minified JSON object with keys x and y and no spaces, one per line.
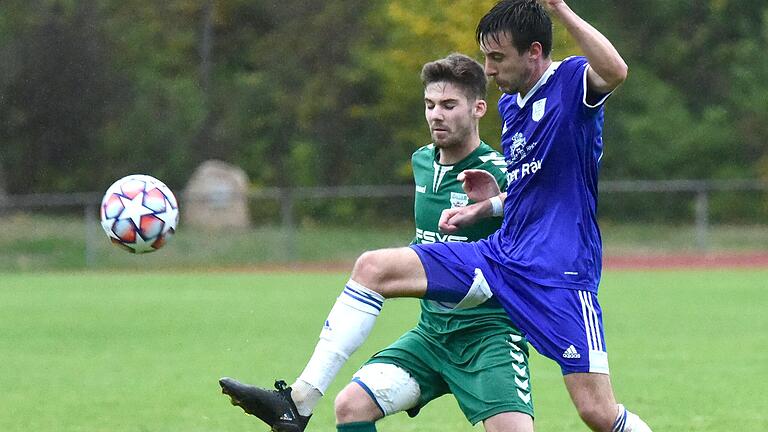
{"x":452,"y":219}
{"x":479,"y":185}
{"x":551,"y":5}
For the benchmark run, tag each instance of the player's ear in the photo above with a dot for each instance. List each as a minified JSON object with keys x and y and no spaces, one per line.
{"x":480,"y":108}
{"x":535,"y":51}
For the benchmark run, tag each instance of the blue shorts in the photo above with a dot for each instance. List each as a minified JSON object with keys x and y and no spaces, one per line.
{"x":562,"y":324}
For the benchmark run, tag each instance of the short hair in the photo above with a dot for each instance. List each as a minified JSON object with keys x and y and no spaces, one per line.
{"x":460,"y":70}
{"x":525,"y":21}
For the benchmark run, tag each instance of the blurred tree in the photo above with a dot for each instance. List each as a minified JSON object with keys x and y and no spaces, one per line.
{"x":316,"y":93}
{"x":749,"y":92}
{"x":409,"y":34}
{"x":57,"y":77}
{"x":291,"y":88}
{"x":416,"y":32}
{"x":695,"y":99}
{"x":161,"y":128}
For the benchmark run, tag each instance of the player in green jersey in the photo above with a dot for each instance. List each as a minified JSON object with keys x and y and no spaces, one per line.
{"x":442,"y":354}
{"x":475,"y":353}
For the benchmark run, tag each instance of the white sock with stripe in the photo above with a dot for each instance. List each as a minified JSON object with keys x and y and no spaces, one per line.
{"x":629,"y":422}
{"x":348,"y":325}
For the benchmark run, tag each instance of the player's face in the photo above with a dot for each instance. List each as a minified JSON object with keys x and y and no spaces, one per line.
{"x":511,"y":70}
{"x":450,"y":116}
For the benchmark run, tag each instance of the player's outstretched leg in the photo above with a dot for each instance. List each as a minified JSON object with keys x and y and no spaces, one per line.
{"x":274,"y":407}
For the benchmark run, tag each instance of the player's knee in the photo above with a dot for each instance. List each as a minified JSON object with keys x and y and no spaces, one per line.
{"x":353,"y":406}
{"x":370,"y":270}
{"x":395,"y":272}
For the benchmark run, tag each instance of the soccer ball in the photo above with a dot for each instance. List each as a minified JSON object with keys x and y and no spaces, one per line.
{"x":139,"y":213}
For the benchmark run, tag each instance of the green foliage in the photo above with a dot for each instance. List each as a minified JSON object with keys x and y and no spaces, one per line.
{"x":327,"y":93}
{"x":651,"y":134}
{"x":295,"y":92}
{"x":54,"y":86}
{"x":338,"y":231}
{"x":697,"y":76}
{"x":157,"y":127}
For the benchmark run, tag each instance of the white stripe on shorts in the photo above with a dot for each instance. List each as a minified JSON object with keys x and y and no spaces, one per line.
{"x":599,"y":338}
{"x":591,"y":323}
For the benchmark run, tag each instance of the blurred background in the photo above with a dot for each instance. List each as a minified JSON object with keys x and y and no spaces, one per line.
{"x":310,"y":111}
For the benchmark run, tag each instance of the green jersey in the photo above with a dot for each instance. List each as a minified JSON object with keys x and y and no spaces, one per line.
{"x":476,"y":354}
{"x":437,"y":189}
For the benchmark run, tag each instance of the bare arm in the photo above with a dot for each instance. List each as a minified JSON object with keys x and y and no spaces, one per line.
{"x":453,"y":219}
{"x":607,"y":70}
{"x":480,"y":187}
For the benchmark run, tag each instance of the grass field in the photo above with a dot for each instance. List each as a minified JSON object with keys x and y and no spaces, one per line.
{"x":30,"y":242}
{"x":142,"y":352}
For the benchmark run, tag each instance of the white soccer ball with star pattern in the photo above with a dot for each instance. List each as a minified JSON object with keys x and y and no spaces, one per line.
{"x":139,"y":213}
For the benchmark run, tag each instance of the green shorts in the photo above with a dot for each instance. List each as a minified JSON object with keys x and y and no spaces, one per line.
{"x":485,"y":370}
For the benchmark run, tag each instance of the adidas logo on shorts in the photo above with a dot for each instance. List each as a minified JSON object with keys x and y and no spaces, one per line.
{"x":571,"y":353}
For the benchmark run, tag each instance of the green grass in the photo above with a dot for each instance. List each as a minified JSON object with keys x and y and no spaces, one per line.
{"x":35,"y":242}
{"x":138,"y":351}
{"x":653,"y":239}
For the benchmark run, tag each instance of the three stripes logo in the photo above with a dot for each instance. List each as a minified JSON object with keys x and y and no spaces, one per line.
{"x":571,"y":353}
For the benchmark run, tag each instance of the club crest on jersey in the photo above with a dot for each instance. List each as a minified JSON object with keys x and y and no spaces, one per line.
{"x":537,"y":111}
{"x":459,"y":200}
{"x":518,"y":148}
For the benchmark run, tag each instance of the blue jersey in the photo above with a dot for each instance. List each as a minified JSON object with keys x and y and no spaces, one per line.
{"x":552,"y":142}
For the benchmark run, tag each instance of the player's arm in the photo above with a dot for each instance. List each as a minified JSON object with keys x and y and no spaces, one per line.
{"x":607,"y":70}
{"x":453,"y":219}
{"x":481,"y":187}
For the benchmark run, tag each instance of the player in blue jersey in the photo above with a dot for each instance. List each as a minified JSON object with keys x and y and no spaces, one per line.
{"x":544,"y":264}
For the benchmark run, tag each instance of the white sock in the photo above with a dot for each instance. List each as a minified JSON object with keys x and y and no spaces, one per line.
{"x":348,"y":325}
{"x":305,"y":396}
{"x":629,"y":422}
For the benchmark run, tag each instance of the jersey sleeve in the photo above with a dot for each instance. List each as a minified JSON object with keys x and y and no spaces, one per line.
{"x":575,"y":90}
{"x":494,"y":163}
{"x":420,"y":160}
{"x":415,"y":156}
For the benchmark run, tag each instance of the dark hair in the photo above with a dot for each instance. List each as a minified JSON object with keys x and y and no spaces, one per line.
{"x":460,"y":70}
{"x":525,"y":21}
